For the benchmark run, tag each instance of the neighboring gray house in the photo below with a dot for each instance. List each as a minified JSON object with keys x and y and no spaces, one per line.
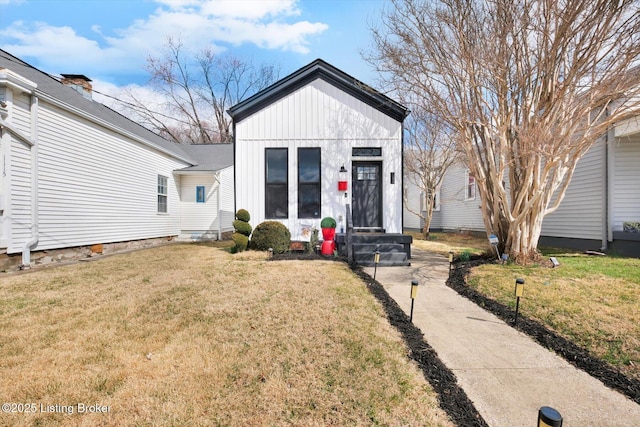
{"x":601,"y":196}
{"x":76,"y":173}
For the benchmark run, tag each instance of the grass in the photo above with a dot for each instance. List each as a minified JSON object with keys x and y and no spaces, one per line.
{"x":591,"y":300}
{"x":459,"y":243}
{"x":192,"y":335}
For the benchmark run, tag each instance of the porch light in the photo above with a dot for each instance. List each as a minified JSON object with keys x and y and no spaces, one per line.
{"x":342,"y":182}
{"x":549,"y":417}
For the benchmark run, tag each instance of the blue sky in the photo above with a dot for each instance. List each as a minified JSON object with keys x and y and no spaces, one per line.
{"x":109,"y":40}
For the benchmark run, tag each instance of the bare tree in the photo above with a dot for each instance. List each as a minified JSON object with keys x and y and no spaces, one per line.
{"x":197,"y":89}
{"x":430,"y":149}
{"x":530,"y":85}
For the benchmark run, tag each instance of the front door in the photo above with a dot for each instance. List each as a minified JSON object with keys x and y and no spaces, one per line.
{"x":366,"y":195}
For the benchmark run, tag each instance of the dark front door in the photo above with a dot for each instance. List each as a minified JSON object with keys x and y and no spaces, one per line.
{"x":367,"y":195}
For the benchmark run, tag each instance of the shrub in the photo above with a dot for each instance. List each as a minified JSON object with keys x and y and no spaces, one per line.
{"x":313,"y":241}
{"x":243,"y":215}
{"x":465,"y":256}
{"x":271,"y":234}
{"x":242,"y":227}
{"x":241,"y":242}
{"x":328,"y":222}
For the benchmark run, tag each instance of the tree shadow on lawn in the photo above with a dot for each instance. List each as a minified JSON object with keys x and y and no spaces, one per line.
{"x":577,"y":356}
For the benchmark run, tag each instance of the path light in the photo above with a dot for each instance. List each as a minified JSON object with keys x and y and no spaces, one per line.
{"x":270,"y":253}
{"x":549,"y":417}
{"x":554,"y":261}
{"x":519,"y":292}
{"x":376,"y":260}
{"x":450,"y":260}
{"x":414,"y":292}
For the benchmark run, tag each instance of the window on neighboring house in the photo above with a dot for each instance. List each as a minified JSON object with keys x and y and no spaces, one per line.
{"x":163,"y":191}
{"x":470,"y":186}
{"x":200,"y":194}
{"x":309,"y":201}
{"x":436,"y":200}
{"x":276,"y":185}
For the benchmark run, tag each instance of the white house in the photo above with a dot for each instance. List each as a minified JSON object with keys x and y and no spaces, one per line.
{"x":77,"y":173}
{"x":602,"y":196}
{"x":297,"y":139}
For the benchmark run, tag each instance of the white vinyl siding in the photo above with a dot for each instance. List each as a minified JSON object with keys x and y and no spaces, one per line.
{"x":96,"y":186}
{"x":626,"y":182}
{"x":317,"y":115}
{"x":201,"y":219}
{"x":582,"y":212}
{"x":456,"y":211}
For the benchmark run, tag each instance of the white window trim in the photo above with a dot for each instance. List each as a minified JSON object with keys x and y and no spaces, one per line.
{"x":160,"y":194}
{"x":467,"y":175}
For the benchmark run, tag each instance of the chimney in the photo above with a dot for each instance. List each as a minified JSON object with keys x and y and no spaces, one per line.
{"x":79,"y":82}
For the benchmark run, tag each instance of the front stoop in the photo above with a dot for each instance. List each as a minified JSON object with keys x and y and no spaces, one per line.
{"x":395,"y":249}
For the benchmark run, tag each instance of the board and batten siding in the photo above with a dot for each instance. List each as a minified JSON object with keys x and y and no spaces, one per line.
{"x":318,"y":115}
{"x":626,"y":181}
{"x":200,"y":220}
{"x":581,"y":214}
{"x":97,"y":186}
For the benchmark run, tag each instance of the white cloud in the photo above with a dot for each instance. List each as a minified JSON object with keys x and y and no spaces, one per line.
{"x":269,"y":24}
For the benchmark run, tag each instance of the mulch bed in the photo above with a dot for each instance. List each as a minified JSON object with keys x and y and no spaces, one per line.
{"x":577,"y":356}
{"x":453,"y":400}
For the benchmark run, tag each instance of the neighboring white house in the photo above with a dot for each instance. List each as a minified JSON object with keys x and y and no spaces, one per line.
{"x":206,"y":192}
{"x":77,"y":173}
{"x":297,"y":139}
{"x":601,"y":196}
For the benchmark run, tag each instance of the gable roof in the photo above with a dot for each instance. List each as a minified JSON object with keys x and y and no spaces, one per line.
{"x":211,"y":157}
{"x":329,"y":73}
{"x":50,"y":88}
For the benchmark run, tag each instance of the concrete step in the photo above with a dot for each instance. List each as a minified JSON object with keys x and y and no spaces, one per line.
{"x":372,"y":247}
{"x":386,"y":259}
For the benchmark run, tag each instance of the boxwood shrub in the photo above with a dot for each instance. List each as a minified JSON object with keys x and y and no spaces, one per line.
{"x":271,"y":234}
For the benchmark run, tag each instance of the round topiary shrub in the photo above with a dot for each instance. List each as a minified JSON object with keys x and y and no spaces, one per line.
{"x":243,"y":215}
{"x":271,"y":234}
{"x":241,"y":242}
{"x":242,"y":227}
{"x":328,"y":222}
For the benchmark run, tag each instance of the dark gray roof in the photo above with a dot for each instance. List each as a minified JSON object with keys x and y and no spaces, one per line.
{"x":323,"y":70}
{"x":53,"y":88}
{"x":210,"y":157}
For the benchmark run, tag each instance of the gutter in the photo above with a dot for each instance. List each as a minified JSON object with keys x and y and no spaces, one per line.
{"x":35,"y":235}
{"x":218,"y":177}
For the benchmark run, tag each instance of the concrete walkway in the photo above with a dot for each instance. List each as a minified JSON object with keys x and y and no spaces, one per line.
{"x":506,"y":374}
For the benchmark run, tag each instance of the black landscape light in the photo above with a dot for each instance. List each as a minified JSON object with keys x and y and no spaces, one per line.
{"x":519,"y":291}
{"x":549,"y":417}
{"x":414,"y":292}
{"x":376,"y":260}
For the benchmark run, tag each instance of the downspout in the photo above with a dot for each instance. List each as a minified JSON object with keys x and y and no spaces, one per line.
{"x":35,"y":236}
{"x":218,"y":177}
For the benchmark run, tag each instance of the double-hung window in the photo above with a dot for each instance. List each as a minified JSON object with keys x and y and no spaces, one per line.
{"x":163,"y":192}
{"x":470,"y":186}
{"x":276,"y":183}
{"x":309,"y":200}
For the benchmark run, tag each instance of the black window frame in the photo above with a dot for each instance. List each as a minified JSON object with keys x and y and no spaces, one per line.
{"x":306,"y":187}
{"x":276,"y":192}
